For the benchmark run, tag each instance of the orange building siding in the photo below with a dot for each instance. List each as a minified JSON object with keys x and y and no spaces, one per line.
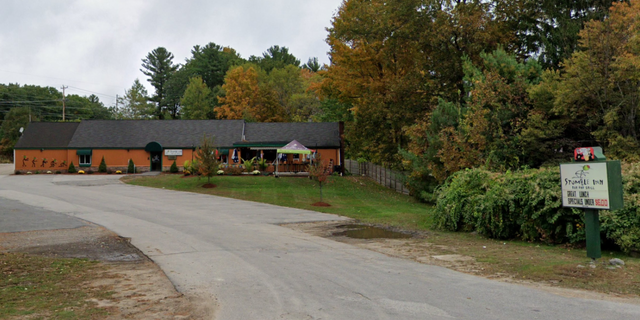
{"x":118,"y":159}
{"x":114,"y":158}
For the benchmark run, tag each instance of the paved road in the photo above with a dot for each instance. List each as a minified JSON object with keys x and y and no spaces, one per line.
{"x":236,"y":251}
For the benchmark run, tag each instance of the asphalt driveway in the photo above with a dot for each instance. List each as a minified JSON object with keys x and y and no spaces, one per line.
{"x":6,"y":168}
{"x":256,"y":269}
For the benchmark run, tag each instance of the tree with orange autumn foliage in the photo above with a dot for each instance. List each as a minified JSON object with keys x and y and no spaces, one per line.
{"x":392,"y":60}
{"x":246,"y":99}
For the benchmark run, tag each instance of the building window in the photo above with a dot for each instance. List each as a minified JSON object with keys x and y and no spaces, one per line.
{"x":296,"y":157}
{"x":84,"y":160}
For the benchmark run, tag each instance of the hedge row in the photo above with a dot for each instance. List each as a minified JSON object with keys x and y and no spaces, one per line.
{"x":527,"y":204}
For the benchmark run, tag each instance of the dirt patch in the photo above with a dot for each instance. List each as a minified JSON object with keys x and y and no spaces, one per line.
{"x":140,"y":288}
{"x":418,"y":248}
{"x":321,"y":204}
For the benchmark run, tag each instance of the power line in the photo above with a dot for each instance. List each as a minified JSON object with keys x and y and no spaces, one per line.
{"x":27,"y":101}
{"x":102,"y":94}
{"x":34,"y":75}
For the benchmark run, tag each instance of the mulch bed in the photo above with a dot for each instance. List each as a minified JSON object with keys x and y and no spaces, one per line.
{"x":209,"y":185}
{"x":321,"y":204}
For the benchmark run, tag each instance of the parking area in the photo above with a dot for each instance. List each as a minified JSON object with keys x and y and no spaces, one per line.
{"x":6,"y":168}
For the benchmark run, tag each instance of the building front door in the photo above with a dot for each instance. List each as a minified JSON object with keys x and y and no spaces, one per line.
{"x":156,"y":161}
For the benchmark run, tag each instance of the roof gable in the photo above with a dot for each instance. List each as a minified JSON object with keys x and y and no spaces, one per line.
{"x":47,"y":135}
{"x":169,"y":133}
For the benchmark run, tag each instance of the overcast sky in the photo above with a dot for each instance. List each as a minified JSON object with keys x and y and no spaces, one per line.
{"x":97,"y":46}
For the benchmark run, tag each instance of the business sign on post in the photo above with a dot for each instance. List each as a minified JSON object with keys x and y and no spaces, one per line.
{"x":172,"y":152}
{"x":585,"y":185}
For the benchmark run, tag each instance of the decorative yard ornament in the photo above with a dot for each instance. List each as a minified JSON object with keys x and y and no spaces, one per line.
{"x":592,"y":187}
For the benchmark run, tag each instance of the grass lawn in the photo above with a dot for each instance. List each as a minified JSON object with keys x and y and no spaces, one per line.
{"x":47,"y":288}
{"x":363,"y":199}
{"x":353,"y":197}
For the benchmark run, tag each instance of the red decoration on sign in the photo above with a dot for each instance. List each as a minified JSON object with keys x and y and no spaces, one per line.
{"x":584,"y":154}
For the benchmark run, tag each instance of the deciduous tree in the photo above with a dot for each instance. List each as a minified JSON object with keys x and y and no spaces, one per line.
{"x":598,"y":91}
{"x":246,"y":99}
{"x":392,"y":60}
{"x":16,"y":118}
{"x":207,"y":159}
{"x":197,"y":101}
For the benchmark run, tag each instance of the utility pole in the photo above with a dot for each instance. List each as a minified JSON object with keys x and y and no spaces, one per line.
{"x":115,"y":111}
{"x":63,"y":103}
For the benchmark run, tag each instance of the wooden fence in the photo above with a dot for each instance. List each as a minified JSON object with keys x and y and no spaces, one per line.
{"x":383,"y":176}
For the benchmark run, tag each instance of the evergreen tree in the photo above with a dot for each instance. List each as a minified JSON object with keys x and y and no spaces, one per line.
{"x":131,"y":168}
{"x":103,"y":166}
{"x":174,"y":167}
{"x":72,"y":168}
{"x":158,"y":66}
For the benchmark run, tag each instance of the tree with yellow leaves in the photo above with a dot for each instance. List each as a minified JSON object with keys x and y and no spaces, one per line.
{"x":246,"y":99}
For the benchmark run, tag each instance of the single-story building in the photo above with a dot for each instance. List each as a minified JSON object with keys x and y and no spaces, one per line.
{"x":153,"y":145}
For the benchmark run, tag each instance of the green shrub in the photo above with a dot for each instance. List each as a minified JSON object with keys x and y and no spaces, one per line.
{"x":72,"y":168}
{"x":248,"y":164}
{"x":103,"y":166}
{"x":525,"y":204}
{"x":174,"y":167}
{"x":419,"y":179}
{"x":131,"y":168}
{"x":233,"y":170}
{"x":623,"y":226}
{"x":263,"y":164}
{"x":191,"y":166}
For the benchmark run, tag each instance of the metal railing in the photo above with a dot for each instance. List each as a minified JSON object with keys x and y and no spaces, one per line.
{"x":383,"y":176}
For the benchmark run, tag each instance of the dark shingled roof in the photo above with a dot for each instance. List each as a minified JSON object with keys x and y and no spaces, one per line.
{"x":310,"y":134}
{"x":169,"y":133}
{"x":136,"y":134}
{"x":47,"y":135}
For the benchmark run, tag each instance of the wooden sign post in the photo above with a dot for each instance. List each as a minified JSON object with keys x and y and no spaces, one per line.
{"x":591,"y":183}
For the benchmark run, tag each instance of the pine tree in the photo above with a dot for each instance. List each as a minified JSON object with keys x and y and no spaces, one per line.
{"x":174,"y":167}
{"x":72,"y":168}
{"x":103,"y":166}
{"x":131,"y":168}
